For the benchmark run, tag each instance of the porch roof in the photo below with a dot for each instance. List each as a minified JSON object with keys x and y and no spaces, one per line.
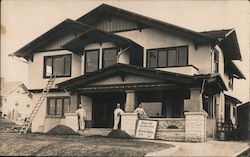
{"x":167,"y":77}
{"x":97,"y":36}
{"x":232,"y":99}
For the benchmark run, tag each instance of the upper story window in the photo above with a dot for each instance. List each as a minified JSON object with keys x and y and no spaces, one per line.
{"x":91,"y":60}
{"x":167,"y":57}
{"x":231,"y":82}
{"x":216,"y":61}
{"x":58,"y":105}
{"x":109,"y":57}
{"x":57,"y":65}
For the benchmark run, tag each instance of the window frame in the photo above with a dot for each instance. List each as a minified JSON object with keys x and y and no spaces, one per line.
{"x":53,"y":57}
{"x":111,"y":48}
{"x":85,"y":59}
{"x":176,"y":48}
{"x":63,"y":105}
{"x":216,"y":61}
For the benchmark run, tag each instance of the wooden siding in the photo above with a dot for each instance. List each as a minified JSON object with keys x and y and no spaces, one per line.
{"x":127,"y":80}
{"x":58,"y":40}
{"x":116,"y":24}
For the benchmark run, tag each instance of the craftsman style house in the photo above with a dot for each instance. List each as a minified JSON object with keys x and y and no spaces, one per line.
{"x":183,"y":78}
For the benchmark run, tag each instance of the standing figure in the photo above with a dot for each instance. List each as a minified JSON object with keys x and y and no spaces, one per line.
{"x":117,"y":113}
{"x":81,"y":113}
{"x":140,"y":112}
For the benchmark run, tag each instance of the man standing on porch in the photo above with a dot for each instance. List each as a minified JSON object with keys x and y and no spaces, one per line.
{"x":140,"y":112}
{"x":81,"y":113}
{"x":117,"y":113}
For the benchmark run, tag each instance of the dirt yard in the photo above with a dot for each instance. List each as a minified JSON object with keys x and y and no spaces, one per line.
{"x":73,"y":145}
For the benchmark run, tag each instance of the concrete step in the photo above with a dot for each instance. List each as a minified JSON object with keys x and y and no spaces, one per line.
{"x":95,"y":131}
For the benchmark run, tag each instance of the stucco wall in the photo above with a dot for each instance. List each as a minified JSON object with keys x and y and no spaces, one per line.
{"x":35,"y":77}
{"x":152,"y":38}
{"x":39,"y":124}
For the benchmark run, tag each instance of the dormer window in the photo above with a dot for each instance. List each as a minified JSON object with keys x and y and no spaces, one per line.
{"x":59,"y":65}
{"x":167,"y":57}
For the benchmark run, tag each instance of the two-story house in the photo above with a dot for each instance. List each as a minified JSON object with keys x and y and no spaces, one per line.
{"x":183,"y":78}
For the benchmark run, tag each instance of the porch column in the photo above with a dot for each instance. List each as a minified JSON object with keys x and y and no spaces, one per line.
{"x":129,"y":119}
{"x":131,"y":101}
{"x":194,"y":104}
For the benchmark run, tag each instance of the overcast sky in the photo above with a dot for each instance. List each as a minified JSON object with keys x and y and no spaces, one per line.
{"x":23,"y":21}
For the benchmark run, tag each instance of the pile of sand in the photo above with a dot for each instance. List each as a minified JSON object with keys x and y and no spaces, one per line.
{"x":119,"y":134}
{"x":62,"y":130}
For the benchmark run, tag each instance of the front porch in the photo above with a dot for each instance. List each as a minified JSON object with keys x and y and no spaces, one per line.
{"x":173,"y":100}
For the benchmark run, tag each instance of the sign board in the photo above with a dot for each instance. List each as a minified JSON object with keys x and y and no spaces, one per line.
{"x":146,"y":129}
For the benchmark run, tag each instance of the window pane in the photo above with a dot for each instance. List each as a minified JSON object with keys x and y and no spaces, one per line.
{"x":66,"y":105}
{"x":48,"y":66}
{"x":92,"y":60}
{"x":172,"y":58}
{"x":58,"y":66}
{"x":109,"y":57}
{"x":152,"y":58}
{"x":67,"y":65}
{"x":51,"y":109}
{"x":58,"y":106}
{"x":162,"y":58}
{"x":182,"y":56}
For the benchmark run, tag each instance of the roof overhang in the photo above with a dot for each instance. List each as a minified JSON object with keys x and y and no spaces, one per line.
{"x":232,"y":99}
{"x":106,"y":10}
{"x":97,"y":36}
{"x":232,"y":69}
{"x":67,"y":25}
{"x":230,"y":46}
{"x":213,"y":83}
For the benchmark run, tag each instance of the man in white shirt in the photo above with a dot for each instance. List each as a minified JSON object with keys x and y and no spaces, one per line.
{"x":140,"y":112}
{"x":81,"y":113}
{"x":117,"y":113}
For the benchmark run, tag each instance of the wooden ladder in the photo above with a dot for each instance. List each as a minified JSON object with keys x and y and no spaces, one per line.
{"x":27,"y":123}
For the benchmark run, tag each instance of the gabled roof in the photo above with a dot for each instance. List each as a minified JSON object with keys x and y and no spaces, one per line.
{"x":106,"y":10}
{"x":65,"y":26}
{"x":214,"y":81}
{"x":232,"y":69}
{"x":12,"y":85}
{"x":94,"y":35}
{"x":228,"y":42}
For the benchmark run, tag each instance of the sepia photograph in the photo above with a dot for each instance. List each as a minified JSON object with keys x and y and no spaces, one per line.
{"x":125,"y":78}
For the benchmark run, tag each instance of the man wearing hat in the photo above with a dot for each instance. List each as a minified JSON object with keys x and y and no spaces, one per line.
{"x":81,"y":113}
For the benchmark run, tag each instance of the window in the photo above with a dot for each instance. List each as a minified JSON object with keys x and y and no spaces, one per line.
{"x":168,"y":57}
{"x":28,"y":105}
{"x":57,"y":65}
{"x":58,"y":105}
{"x":216,"y":61}
{"x":109,"y":57}
{"x":231,"y":82}
{"x":91,"y":60}
{"x":208,"y":104}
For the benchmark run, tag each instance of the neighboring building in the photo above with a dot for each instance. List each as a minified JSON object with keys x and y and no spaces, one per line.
{"x":243,"y":117}
{"x":16,"y":101}
{"x":112,"y":55}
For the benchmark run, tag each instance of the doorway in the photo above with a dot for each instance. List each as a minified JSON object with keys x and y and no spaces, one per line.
{"x":103,"y":108}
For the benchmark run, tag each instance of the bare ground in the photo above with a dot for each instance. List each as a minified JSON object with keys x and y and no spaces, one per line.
{"x":73,"y":145}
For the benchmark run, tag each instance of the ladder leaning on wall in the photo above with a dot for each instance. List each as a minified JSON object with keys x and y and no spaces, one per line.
{"x":27,"y":123}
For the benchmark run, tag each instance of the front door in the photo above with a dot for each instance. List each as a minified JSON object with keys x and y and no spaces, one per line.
{"x":103,"y":109}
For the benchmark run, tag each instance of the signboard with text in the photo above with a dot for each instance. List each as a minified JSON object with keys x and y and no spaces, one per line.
{"x":146,"y":129}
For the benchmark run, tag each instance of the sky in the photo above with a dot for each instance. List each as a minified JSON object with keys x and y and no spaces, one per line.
{"x":23,"y":21}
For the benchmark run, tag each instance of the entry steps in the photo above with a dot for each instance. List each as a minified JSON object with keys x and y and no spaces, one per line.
{"x":95,"y":131}
{"x":28,"y":121}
